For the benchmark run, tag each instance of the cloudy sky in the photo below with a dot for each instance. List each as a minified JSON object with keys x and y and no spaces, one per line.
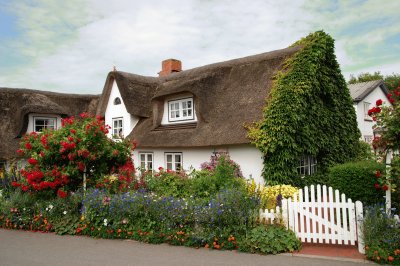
{"x":70,"y":46}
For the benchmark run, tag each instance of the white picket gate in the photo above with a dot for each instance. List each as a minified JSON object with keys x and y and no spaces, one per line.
{"x":317,"y":215}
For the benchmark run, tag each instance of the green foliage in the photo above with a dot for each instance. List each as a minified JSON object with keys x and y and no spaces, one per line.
{"x":381,"y":236}
{"x":392,"y":81}
{"x":270,"y":239}
{"x":308,"y":112}
{"x":357,"y":180}
{"x":314,"y":179}
{"x":168,"y":183}
{"x":364,"y":77}
{"x":395,"y":183}
{"x":57,"y":159}
{"x":364,"y":152}
{"x":203,"y":184}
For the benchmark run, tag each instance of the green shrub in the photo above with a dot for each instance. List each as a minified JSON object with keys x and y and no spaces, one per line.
{"x":203,"y":184}
{"x":270,"y":239}
{"x":381,"y":236}
{"x":357,"y":181}
{"x":314,"y":179}
{"x":168,"y":183}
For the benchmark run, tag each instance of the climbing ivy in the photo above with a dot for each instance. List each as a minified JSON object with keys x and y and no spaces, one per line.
{"x":309,"y":112}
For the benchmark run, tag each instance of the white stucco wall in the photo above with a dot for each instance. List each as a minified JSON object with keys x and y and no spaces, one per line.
{"x":116,"y":111}
{"x":164,"y":120}
{"x":247,"y":156}
{"x":365,"y":124}
{"x":32,"y":115}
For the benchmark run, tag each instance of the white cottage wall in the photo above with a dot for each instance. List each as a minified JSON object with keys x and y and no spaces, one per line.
{"x":119,"y":111}
{"x":248,"y":157}
{"x":365,"y":124}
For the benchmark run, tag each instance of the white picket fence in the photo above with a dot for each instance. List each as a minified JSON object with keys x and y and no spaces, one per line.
{"x":320,"y":215}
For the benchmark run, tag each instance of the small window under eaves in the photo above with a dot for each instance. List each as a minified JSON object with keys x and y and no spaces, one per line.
{"x":117,"y":101}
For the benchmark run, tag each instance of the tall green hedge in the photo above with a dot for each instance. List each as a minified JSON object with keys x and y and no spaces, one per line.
{"x":309,"y":111}
{"x":356,"y":180}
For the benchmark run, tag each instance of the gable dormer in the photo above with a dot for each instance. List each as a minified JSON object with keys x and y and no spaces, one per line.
{"x":179,"y":109}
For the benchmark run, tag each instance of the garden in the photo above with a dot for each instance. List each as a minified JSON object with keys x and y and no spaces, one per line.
{"x":79,"y":182}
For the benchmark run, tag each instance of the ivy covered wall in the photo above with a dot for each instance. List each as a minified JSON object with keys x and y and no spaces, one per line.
{"x":308,"y":112}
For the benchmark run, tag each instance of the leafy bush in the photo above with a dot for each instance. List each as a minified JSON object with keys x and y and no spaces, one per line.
{"x":270,"y":239}
{"x":203,"y":184}
{"x":57,"y":159}
{"x":167,"y":183}
{"x":381,"y":236}
{"x":357,"y":180}
{"x":269,"y":196}
{"x":314,"y":179}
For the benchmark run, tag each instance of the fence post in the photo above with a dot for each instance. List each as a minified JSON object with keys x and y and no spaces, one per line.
{"x":284,"y":213}
{"x":359,"y":220}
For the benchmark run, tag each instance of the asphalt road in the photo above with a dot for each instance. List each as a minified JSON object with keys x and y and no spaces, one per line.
{"x":28,"y":248}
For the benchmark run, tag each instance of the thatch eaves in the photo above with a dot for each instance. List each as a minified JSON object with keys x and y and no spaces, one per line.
{"x":136,"y":92}
{"x":17,"y":104}
{"x":227,"y":96}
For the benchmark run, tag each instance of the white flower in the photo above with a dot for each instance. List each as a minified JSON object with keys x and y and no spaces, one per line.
{"x":105,"y":222}
{"x":65,"y":212}
{"x":1,"y":193}
{"x":51,"y":206}
{"x":47,"y":209}
{"x":24,"y":209}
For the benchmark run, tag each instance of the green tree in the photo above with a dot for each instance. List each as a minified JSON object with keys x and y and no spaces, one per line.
{"x":363,"y":77}
{"x":57,"y":159}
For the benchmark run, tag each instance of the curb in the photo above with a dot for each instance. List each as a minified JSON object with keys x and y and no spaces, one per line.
{"x":363,"y":261}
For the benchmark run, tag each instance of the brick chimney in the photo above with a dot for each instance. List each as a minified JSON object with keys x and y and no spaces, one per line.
{"x":169,"y":66}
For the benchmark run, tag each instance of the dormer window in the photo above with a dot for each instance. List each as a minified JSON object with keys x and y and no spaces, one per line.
{"x":41,"y":123}
{"x":180,"y":110}
{"x":117,"y":101}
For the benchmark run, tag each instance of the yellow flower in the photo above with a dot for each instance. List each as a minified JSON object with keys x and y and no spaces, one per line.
{"x":82,"y":217}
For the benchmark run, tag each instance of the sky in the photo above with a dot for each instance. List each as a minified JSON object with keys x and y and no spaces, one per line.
{"x":70,"y":46}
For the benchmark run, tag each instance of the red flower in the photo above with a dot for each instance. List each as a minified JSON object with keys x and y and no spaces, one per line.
{"x":70,"y":138}
{"x":84,"y":115}
{"x":391,"y":100}
{"x":81,"y":166}
{"x":62,"y":194}
{"x":15,"y":184}
{"x":378,"y":173}
{"x":377,"y":186}
{"x":385,"y":187}
{"x":73,"y":131}
{"x":379,"y":102}
{"x":20,"y":152}
{"x":389,"y":95}
{"x":115,"y":152}
{"x":32,"y":161}
{"x":28,"y":146}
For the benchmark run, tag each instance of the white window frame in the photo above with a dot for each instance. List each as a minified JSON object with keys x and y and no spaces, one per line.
{"x":44,"y":126}
{"x":177,"y":110}
{"x":307,"y":165}
{"x":146,"y":164}
{"x":366,"y":106}
{"x":173,"y":164}
{"x":120,"y":129}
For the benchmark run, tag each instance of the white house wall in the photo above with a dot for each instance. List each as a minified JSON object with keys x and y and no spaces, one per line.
{"x":365,"y":124}
{"x":248,"y":157}
{"x":116,"y":111}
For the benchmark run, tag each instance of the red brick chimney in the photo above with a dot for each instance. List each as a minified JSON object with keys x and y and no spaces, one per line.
{"x":169,"y":66}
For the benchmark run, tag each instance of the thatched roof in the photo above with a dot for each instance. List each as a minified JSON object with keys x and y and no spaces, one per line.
{"x":227,"y":96}
{"x":136,"y":92}
{"x":359,"y":91}
{"x":17,"y":104}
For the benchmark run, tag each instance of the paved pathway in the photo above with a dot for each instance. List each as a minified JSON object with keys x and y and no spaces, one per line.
{"x":27,"y":248}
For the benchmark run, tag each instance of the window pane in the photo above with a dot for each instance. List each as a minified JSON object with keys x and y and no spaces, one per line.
{"x":184,"y":114}
{"x":142,"y":157}
{"x":172,"y":114}
{"x":120,"y":123}
{"x":172,"y":106}
{"x":177,"y":106}
{"x":142,"y":165}
{"x":189,"y":104}
{"x":177,"y":114}
{"x":149,"y":166}
{"x":169,"y":158}
{"x":177,"y":157}
{"x":150,"y":157}
{"x":169,"y":166}
{"x":115,"y":123}
{"x":190,"y":112}
{"x":178,"y":166}
{"x":184,"y":105}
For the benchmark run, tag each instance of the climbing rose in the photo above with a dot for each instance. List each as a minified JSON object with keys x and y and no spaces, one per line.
{"x":378,"y":102}
{"x":385,"y":187}
{"x":377,"y":186}
{"x":28,"y":146}
{"x":378,"y":173}
{"x":32,"y":161}
{"x":61,"y":194}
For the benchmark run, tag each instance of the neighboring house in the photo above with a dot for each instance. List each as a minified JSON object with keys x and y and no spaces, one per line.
{"x":365,"y":95}
{"x":182,"y":118}
{"x":23,"y":111}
